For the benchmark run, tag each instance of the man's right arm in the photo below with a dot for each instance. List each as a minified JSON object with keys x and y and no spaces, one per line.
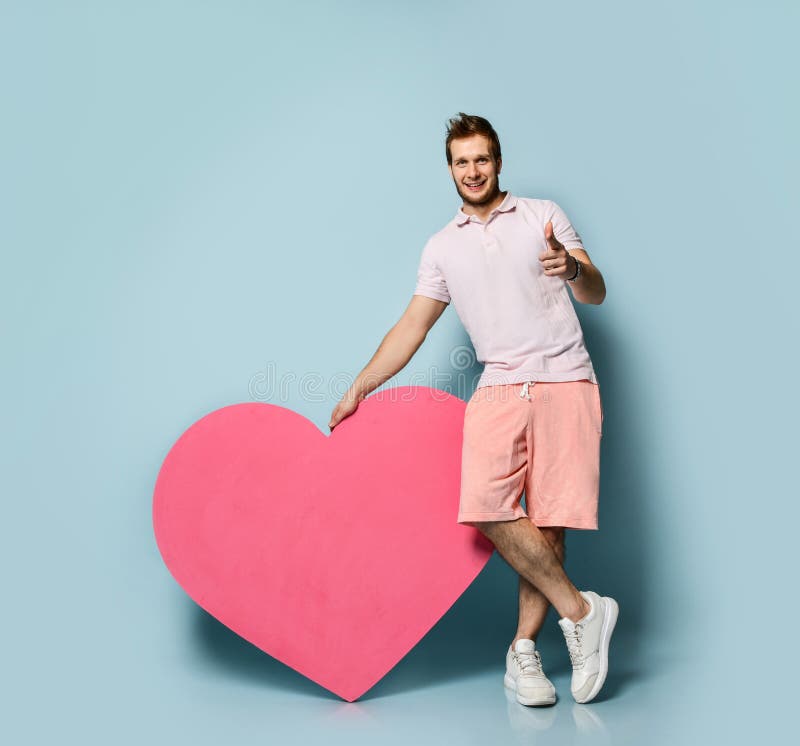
{"x":393,"y":353}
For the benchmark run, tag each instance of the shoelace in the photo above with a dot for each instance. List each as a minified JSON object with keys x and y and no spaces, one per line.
{"x":574,"y":639}
{"x":529,"y":663}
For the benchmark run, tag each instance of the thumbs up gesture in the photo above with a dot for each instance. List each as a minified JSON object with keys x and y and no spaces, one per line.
{"x":556,"y":261}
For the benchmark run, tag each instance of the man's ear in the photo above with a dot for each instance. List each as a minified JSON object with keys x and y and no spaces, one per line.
{"x":499,"y":165}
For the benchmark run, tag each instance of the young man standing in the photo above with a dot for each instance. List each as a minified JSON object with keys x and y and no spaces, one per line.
{"x":534,"y":422}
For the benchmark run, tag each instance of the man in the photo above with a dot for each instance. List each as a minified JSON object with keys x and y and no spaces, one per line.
{"x":534,"y":422}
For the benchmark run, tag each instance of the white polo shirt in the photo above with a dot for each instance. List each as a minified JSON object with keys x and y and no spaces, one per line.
{"x":521,"y":322}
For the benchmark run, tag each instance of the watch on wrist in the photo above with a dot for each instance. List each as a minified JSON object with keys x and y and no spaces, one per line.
{"x":577,"y":274}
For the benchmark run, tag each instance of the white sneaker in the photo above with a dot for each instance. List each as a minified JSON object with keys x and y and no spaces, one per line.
{"x":524,"y":675}
{"x":587,"y":642}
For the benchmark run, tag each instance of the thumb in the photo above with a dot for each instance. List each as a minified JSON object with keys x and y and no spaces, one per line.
{"x":552,"y":242}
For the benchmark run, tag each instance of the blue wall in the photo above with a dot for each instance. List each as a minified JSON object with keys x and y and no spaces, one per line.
{"x":199,"y":198}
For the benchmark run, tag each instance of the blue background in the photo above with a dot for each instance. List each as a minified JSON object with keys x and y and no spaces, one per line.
{"x":201,"y":198}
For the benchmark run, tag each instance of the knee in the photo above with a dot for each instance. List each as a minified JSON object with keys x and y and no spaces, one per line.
{"x":553,"y":534}
{"x":555,"y":537}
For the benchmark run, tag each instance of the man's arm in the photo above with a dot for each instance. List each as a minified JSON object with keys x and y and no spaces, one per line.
{"x":590,"y":286}
{"x":393,"y":353}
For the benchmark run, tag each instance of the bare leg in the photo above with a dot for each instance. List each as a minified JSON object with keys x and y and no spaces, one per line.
{"x":525,"y":548}
{"x":532,"y":604}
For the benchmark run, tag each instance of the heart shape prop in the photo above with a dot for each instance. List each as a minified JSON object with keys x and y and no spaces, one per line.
{"x":334,"y":553}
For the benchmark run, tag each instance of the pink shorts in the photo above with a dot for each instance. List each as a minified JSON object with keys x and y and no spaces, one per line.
{"x":543,"y":438}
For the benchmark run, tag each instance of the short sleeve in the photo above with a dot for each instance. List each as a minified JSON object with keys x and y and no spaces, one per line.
{"x":430,"y":280}
{"x":563,"y":229}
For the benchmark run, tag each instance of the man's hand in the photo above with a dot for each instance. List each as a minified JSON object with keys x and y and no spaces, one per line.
{"x":346,"y":407}
{"x":556,"y":261}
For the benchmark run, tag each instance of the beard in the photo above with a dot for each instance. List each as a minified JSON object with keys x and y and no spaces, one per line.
{"x":477,"y":201}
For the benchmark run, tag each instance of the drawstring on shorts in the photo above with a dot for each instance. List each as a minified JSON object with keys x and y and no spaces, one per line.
{"x":523,"y":392}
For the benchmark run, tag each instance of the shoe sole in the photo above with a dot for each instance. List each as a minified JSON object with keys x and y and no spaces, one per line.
{"x":509,"y":683}
{"x":609,"y":622}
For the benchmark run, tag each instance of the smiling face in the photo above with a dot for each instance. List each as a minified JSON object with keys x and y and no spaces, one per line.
{"x":474,"y":170}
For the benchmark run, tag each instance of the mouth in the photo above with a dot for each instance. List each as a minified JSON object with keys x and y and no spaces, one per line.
{"x":476,"y":187}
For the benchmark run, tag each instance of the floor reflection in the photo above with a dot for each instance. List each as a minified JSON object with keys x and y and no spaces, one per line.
{"x":523,"y":719}
{"x":565,"y":715}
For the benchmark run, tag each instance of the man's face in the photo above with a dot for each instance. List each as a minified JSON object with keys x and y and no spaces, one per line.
{"x":474,"y":171}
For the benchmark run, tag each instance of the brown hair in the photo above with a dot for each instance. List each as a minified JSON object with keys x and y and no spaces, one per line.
{"x":466,"y":125}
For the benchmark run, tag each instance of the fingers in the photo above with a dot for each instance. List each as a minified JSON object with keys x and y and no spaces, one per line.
{"x":556,"y":259}
{"x":339,"y":413}
{"x":555,"y":266}
{"x":336,"y":417}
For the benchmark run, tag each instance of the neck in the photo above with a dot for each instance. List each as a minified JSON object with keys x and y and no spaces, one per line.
{"x":483,"y":210}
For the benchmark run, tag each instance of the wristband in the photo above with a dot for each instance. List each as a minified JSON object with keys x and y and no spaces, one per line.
{"x":577,"y":271}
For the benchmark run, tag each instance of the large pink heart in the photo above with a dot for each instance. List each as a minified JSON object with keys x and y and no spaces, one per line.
{"x":334,"y":554}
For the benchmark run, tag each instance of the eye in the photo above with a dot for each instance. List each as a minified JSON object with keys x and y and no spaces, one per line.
{"x":482,"y":160}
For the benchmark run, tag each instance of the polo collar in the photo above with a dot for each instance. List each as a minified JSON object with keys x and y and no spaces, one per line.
{"x":508,"y":204}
